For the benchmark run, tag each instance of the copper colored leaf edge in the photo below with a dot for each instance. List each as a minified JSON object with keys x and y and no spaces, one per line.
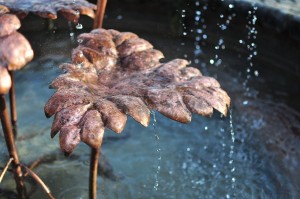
{"x":120,"y":74}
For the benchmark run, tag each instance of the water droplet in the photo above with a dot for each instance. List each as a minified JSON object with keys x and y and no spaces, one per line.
{"x":198,"y":12}
{"x":119,"y":17}
{"x":79,"y":26}
{"x":199,"y":31}
{"x":256,"y":73}
{"x":79,"y":41}
{"x":221,"y":41}
{"x":71,"y":34}
{"x":245,"y":102}
{"x":254,"y":20}
{"x":198,"y":52}
{"x":223,"y":27}
{"x":188,"y":149}
{"x":231,"y":6}
{"x":211,"y":61}
{"x":219,"y":62}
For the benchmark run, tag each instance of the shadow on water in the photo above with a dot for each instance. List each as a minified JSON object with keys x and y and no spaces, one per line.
{"x":198,"y":160}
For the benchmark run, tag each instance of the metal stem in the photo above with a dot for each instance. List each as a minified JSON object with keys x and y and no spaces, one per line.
{"x":13,"y":104}
{"x":98,"y":21}
{"x":93,"y":173}
{"x":10,"y":143}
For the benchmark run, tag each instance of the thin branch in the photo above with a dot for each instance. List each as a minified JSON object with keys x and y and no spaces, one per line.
{"x":38,"y":180}
{"x":5,"y":168}
{"x":93,"y":173}
{"x":13,"y":105}
{"x":98,"y":21}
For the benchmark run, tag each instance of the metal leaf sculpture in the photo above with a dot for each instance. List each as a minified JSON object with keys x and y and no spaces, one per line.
{"x":70,"y":9}
{"x":114,"y":74}
{"x":15,"y":50}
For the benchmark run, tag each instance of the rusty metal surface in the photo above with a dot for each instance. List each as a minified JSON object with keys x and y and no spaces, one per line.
{"x":15,"y":50}
{"x":70,"y":9}
{"x":114,"y":74}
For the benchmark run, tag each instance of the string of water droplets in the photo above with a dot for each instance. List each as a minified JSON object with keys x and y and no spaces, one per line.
{"x":78,"y":26}
{"x":72,"y":34}
{"x":230,"y":156}
{"x":200,"y":37}
{"x":223,"y":25}
{"x":251,"y":47}
{"x":184,"y":28}
{"x":158,"y":151}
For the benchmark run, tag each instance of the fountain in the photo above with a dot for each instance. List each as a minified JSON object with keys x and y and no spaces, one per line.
{"x":251,"y":153}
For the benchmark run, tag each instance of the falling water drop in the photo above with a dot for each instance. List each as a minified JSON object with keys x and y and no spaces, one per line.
{"x":79,"y":26}
{"x":72,"y":34}
{"x":231,"y":153}
{"x":119,"y":17}
{"x":223,"y":25}
{"x":200,"y":38}
{"x":158,"y":150}
{"x":251,"y":47}
{"x":183,"y":15}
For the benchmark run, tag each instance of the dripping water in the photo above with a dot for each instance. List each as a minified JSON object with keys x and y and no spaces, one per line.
{"x":200,"y":37}
{"x":251,"y":47}
{"x":183,"y":16}
{"x":184,"y":28}
{"x":79,"y":26}
{"x":232,"y":177}
{"x":72,"y":34}
{"x":223,"y":25}
{"x":158,"y":151}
